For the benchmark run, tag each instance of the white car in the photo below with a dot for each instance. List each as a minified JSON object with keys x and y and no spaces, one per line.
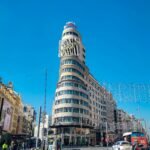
{"x":122,"y":145}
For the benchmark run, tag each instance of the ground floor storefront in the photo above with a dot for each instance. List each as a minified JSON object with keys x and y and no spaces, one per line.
{"x":77,"y":136}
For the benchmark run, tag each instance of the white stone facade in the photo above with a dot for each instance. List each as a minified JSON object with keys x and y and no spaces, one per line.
{"x":81,"y":104}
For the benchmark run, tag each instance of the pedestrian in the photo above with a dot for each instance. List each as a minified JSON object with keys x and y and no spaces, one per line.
{"x":134,"y":146}
{"x":23,"y":145}
{"x":5,"y":146}
{"x":58,"y":145}
{"x":12,"y":145}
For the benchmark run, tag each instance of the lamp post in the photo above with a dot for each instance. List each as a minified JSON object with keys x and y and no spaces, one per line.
{"x":106,"y":125}
{"x":38,"y":128}
{"x":100,"y":134}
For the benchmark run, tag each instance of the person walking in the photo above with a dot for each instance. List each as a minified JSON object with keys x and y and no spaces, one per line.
{"x":12,"y":145}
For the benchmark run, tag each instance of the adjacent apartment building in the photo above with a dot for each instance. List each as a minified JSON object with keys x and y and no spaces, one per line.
{"x":127,"y":123}
{"x":15,"y":117}
{"x":11,"y":110}
{"x":82,"y":108}
{"x":28,"y":119}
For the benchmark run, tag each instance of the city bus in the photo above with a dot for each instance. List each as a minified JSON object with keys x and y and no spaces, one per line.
{"x":136,"y":137}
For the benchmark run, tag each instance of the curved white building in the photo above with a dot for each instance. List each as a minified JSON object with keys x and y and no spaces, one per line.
{"x":80,"y":104}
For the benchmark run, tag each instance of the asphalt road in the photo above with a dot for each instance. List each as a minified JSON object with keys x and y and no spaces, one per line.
{"x":89,"y":148}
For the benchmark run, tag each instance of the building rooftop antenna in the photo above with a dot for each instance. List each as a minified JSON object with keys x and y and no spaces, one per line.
{"x":45,"y":95}
{"x":44,"y":111}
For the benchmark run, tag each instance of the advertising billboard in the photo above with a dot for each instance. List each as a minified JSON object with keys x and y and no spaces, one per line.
{"x":7,"y":112}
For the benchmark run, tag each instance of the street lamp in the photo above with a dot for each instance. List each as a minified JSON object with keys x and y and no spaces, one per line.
{"x":106,"y":125}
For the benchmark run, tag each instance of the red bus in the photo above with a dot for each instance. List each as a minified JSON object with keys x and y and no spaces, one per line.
{"x":136,"y":137}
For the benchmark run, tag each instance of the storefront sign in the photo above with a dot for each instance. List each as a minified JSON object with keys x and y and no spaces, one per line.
{"x":7,"y":112}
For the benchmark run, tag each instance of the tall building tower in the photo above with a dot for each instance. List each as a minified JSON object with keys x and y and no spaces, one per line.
{"x":71,"y":44}
{"x":80,"y":102}
{"x":71,"y":108}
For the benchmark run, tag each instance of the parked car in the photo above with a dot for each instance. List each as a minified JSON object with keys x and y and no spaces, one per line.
{"x":122,"y":145}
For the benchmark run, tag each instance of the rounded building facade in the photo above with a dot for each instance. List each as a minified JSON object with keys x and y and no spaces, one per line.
{"x":82,"y":106}
{"x":71,"y":111}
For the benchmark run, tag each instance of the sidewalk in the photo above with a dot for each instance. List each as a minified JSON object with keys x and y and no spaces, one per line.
{"x":88,"y":148}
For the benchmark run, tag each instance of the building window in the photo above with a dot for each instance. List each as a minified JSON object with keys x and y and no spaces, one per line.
{"x":63,"y":84}
{"x":72,"y":109}
{"x":67,"y":119}
{"x":73,"y":62}
{"x":73,"y":101}
{"x":72,"y":70}
{"x":25,"y":109}
{"x":70,"y":33}
{"x":70,"y":77}
{"x":72,"y":92}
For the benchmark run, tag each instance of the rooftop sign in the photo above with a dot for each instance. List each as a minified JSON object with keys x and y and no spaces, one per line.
{"x":70,"y":25}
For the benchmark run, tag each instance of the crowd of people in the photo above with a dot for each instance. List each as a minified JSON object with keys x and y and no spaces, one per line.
{"x":13,"y":146}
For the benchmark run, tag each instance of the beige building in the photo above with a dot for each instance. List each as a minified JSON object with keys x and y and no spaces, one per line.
{"x":82,"y":106}
{"x":127,"y":123}
{"x":137,"y":124}
{"x":11,"y":109}
{"x":28,"y":120}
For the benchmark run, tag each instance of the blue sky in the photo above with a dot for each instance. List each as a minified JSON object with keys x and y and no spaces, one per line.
{"x":116,"y":36}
